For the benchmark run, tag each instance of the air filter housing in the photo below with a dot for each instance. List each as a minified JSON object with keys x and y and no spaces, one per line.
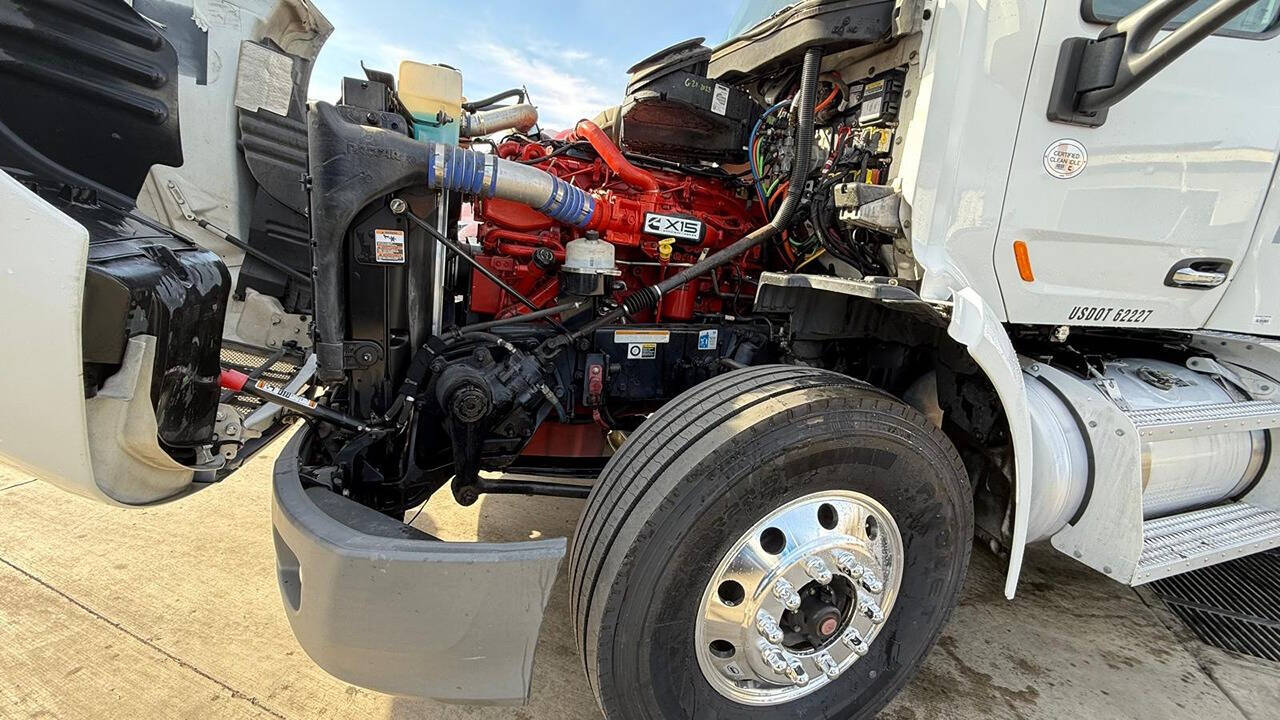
{"x":672,"y":110}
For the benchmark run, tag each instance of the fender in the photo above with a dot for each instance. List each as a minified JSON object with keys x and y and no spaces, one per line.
{"x":974,"y":325}
{"x":104,"y":448}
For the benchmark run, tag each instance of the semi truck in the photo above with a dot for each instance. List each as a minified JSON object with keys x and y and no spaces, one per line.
{"x":803,"y":320}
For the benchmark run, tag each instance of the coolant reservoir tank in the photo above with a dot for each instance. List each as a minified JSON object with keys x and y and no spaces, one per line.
{"x":433,"y":96}
{"x":588,"y":265}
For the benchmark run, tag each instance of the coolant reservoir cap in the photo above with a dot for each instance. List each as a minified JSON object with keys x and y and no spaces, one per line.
{"x":589,"y":254}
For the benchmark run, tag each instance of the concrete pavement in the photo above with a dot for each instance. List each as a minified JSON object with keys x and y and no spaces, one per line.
{"x":173,"y":612}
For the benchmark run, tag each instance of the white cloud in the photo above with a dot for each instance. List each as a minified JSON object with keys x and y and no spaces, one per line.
{"x":562,"y":95}
{"x":565,"y":81}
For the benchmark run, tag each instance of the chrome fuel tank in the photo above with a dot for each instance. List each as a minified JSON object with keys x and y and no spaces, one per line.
{"x":1177,"y":475}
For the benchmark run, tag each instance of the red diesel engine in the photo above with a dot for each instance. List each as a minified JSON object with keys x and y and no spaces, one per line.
{"x":658,"y":222}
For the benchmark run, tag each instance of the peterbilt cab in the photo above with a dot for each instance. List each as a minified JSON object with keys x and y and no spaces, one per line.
{"x":799,"y":318}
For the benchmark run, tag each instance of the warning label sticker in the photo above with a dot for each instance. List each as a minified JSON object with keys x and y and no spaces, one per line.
{"x":642,"y":351}
{"x":277,"y":392}
{"x":707,"y":339}
{"x":641,"y":336}
{"x":388,"y":246}
{"x":720,"y":99}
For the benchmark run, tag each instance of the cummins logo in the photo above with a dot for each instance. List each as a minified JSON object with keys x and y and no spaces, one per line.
{"x":673,"y":226}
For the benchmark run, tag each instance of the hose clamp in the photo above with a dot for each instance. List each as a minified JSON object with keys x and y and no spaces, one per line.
{"x":438,"y":158}
{"x":489,"y":183}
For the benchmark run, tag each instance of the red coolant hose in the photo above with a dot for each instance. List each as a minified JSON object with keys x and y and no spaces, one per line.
{"x":613,"y":157}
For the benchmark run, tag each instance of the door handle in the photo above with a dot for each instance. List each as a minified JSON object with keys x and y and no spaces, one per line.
{"x":1198,"y":273}
{"x":1190,"y":277}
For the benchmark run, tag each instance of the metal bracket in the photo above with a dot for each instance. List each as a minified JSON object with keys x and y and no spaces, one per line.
{"x":264,"y":322}
{"x":1108,"y":388}
{"x":906,"y":17}
{"x":180,"y":200}
{"x":1209,"y":366}
{"x":229,"y":432}
{"x":1108,"y":535}
{"x":875,"y":207}
{"x":360,"y":354}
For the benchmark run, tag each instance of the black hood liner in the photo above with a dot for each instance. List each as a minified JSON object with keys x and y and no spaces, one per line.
{"x":88,"y":93}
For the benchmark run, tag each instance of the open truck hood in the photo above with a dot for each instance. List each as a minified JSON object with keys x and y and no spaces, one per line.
{"x":122,"y":131}
{"x":145,"y":104}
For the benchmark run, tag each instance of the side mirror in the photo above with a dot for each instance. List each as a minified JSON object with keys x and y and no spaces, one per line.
{"x":1094,"y":74}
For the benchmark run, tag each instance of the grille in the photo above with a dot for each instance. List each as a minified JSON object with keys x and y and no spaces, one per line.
{"x":1234,"y":606}
{"x":274,"y":368}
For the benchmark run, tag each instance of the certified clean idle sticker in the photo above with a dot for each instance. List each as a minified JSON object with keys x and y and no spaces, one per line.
{"x":1065,"y":158}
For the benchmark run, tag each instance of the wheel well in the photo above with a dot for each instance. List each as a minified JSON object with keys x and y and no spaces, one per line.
{"x":909,"y":354}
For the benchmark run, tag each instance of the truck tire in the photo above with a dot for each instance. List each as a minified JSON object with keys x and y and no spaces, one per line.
{"x":768,"y":473}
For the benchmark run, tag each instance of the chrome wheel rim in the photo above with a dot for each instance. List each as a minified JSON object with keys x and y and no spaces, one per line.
{"x":799,"y":598}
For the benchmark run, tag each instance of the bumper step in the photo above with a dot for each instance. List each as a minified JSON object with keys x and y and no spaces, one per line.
{"x":1179,"y":543}
{"x":1199,"y":420}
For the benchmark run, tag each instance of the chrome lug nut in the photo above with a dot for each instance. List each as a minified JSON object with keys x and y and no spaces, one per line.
{"x":855,"y":642}
{"x":848,"y":564}
{"x":795,"y":671}
{"x":828,"y":664}
{"x":773,"y":657}
{"x":871,"y":609}
{"x":816,"y":569}
{"x":768,"y":627}
{"x":786,"y":594}
{"x":871,"y":582}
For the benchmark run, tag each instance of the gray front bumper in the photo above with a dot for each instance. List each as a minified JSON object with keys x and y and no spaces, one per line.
{"x":387,"y":607}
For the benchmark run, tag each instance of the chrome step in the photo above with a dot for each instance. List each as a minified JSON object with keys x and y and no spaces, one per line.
{"x":1197,"y":420}
{"x":1179,"y":543}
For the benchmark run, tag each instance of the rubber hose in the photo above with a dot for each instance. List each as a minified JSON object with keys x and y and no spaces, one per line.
{"x":493,"y":100}
{"x":476,"y":173}
{"x":613,"y":157}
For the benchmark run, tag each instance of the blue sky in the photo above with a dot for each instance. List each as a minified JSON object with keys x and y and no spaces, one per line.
{"x":573,"y":55}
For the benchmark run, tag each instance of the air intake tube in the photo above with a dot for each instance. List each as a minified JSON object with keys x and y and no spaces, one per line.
{"x":482,"y":122}
{"x":476,"y":173}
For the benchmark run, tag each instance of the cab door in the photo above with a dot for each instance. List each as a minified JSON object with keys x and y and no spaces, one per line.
{"x":1144,"y":220}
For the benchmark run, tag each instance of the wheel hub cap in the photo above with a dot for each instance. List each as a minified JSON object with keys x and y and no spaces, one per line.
{"x":799,"y":598}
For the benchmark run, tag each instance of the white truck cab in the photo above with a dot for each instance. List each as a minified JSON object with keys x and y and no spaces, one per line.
{"x":799,"y":318}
